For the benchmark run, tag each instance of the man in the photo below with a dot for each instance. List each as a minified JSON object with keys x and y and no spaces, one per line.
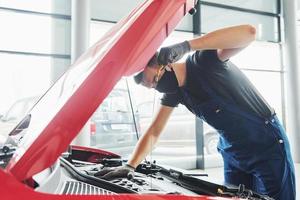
{"x":252,"y":142}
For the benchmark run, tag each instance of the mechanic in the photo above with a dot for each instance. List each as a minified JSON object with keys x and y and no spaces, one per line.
{"x":253,"y":143}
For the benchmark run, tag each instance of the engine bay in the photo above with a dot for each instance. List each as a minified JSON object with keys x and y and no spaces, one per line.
{"x":74,"y":174}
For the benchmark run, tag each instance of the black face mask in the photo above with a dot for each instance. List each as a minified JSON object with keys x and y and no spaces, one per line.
{"x":168,"y":83}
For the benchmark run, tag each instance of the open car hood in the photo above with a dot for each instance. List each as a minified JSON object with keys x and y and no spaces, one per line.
{"x":61,"y":113}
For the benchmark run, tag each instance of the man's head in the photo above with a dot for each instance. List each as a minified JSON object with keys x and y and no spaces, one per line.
{"x":149,"y":76}
{"x":156,"y":76}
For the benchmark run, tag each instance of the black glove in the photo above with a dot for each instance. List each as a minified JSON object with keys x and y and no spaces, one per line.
{"x":173,"y":53}
{"x":125,"y":171}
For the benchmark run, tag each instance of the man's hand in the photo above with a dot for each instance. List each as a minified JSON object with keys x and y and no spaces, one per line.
{"x":173,"y":53}
{"x":126,"y":171}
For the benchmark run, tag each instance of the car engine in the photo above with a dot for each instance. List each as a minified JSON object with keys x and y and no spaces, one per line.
{"x":73,"y":175}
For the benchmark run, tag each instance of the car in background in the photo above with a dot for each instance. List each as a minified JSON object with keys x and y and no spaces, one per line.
{"x":14,"y":114}
{"x":180,"y":129}
{"x":112,"y":126}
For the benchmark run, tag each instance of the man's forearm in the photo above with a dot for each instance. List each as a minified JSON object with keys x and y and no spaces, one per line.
{"x":226,"y":38}
{"x":143,"y":147}
{"x":149,"y":139}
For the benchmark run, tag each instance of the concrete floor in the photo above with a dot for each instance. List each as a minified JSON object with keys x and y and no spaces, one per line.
{"x":217,"y":174}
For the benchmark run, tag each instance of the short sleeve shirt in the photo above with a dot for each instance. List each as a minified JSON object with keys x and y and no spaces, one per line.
{"x":224,"y":78}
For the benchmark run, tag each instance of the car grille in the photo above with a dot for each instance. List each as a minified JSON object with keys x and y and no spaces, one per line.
{"x":80,"y":188}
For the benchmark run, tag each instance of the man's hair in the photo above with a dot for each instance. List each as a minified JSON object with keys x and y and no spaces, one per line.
{"x":153,"y":62}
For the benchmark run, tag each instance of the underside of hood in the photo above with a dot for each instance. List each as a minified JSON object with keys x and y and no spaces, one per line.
{"x":64,"y":109}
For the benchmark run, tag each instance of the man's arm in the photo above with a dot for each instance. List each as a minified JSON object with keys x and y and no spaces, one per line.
{"x":149,"y":139}
{"x":228,"y":41}
{"x":143,"y":147}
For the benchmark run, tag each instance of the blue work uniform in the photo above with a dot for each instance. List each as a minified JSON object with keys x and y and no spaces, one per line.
{"x":253,"y":143}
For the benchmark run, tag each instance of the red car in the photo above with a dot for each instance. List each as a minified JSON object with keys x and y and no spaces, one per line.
{"x":42,"y":165}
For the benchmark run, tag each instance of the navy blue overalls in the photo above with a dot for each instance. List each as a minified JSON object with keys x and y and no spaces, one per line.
{"x":255,"y":150}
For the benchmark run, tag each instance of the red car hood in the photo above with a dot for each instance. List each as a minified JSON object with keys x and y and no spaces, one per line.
{"x":61,"y":113}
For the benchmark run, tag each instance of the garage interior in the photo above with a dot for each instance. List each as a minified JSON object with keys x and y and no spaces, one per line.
{"x":40,"y":40}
